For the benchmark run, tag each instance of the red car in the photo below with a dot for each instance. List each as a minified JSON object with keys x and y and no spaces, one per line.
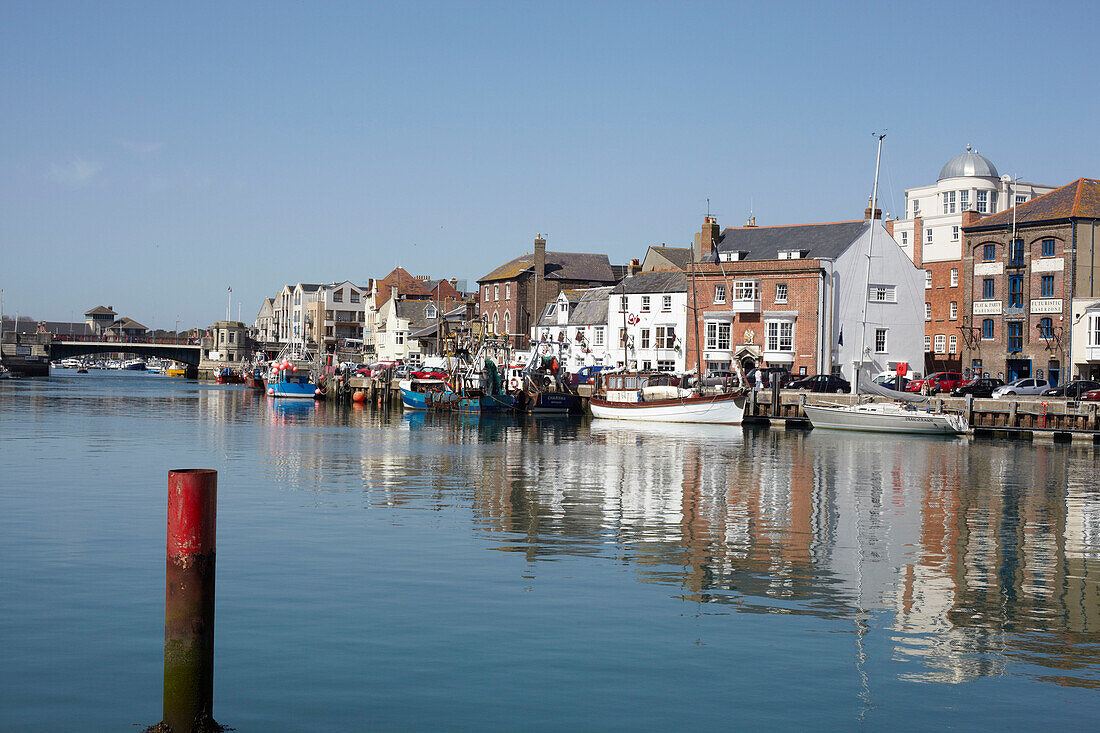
{"x":1093,"y":396}
{"x":937,"y":382}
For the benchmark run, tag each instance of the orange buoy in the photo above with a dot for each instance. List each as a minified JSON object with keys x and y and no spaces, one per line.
{"x":359,"y":396}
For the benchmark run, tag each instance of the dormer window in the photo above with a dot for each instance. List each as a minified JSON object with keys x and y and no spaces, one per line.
{"x":430,"y":312}
{"x":792,"y":254}
{"x":732,"y":256}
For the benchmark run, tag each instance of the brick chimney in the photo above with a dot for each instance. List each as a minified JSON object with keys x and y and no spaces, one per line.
{"x":707,"y":239}
{"x":867,"y":211}
{"x":634,"y":268}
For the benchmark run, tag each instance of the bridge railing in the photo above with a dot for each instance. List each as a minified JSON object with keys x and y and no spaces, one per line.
{"x":115,"y":339}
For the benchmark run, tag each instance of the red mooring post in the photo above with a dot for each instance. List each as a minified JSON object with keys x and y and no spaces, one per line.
{"x":189,"y":601}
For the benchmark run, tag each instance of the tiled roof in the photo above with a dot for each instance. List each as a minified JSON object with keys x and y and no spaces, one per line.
{"x":586,"y":307}
{"x":678,"y":256}
{"x":652,"y":282}
{"x":100,"y":310}
{"x":559,"y":266}
{"x":128,"y":323}
{"x":413,"y":312}
{"x":406,"y":284}
{"x":1080,"y":199}
{"x":309,"y":287}
{"x":825,"y":241}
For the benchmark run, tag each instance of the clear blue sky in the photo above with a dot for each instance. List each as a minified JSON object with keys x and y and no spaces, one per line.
{"x":152,"y":154}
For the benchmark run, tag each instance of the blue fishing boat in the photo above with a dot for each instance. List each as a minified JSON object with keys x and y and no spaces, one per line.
{"x":486,"y":403}
{"x":425,"y":394}
{"x":294,"y":384}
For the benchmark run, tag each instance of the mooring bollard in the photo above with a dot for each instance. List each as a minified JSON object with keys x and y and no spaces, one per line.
{"x":189,"y":601}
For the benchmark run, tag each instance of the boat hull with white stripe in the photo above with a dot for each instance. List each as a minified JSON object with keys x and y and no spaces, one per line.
{"x":884,"y":417}
{"x":720,"y":409}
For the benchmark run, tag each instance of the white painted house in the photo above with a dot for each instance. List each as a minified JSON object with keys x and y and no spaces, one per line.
{"x":647,"y":313}
{"x":577,"y":320}
{"x":888,"y":300}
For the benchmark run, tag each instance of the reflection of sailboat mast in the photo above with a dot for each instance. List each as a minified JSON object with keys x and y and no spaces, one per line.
{"x":862,"y":627}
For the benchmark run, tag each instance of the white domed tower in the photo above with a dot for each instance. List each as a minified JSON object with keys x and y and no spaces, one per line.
{"x":968,"y":188}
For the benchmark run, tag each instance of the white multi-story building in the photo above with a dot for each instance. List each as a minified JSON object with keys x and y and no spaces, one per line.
{"x":647,"y":314}
{"x":577,"y":320}
{"x":397,"y":320}
{"x":967,"y":182}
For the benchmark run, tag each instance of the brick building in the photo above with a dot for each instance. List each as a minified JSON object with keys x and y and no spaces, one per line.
{"x":510,"y":295}
{"x":799,"y":297}
{"x":968,"y":188}
{"x":1026,"y":273}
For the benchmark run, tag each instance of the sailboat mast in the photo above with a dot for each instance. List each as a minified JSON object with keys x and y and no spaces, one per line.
{"x":867,"y":279}
{"x":695,"y":321}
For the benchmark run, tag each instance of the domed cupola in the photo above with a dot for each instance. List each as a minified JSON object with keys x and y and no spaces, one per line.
{"x":969,"y":165}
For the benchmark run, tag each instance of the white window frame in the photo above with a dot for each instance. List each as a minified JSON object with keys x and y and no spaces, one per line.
{"x":1094,"y":329}
{"x":496,"y":292}
{"x":644,"y":340}
{"x":712,"y":335}
{"x":746,"y":291}
{"x":954,"y":234}
{"x":624,"y":303}
{"x":507,"y":291}
{"x":779,"y":336}
{"x":954,"y":310}
{"x":952,"y":344}
{"x":954,"y":277}
{"x":928,"y":235}
{"x":781,"y":292}
{"x":719,"y":293}
{"x":927,"y":279}
{"x":645,"y":304}
{"x":881,"y":336}
{"x":927,"y":343}
{"x":666,"y":303}
{"x":983,"y":201}
{"x":882,"y":294}
{"x":927,"y":311}
{"x":940,"y":343}
{"x":597,"y":336}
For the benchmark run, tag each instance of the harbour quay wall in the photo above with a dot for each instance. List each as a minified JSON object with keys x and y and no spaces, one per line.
{"x":26,"y":354}
{"x":1034,"y":417}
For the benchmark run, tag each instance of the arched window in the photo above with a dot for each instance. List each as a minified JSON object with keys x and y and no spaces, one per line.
{"x":1046,"y":328}
{"x":987,"y":329}
{"x":507,"y":322}
{"x":496,"y":323}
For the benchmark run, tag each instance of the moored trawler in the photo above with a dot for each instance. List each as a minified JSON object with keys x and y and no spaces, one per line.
{"x":291,"y":378}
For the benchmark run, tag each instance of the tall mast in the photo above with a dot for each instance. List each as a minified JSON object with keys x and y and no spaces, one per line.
{"x":867,"y":280}
{"x":695,"y":322}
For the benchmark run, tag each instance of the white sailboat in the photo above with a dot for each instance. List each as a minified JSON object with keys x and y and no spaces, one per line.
{"x":899,"y":416}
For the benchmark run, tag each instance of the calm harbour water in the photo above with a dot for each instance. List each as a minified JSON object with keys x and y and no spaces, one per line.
{"x":396,"y":571}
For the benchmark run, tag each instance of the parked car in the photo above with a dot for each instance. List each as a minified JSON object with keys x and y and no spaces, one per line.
{"x":1072,"y":390}
{"x":935,"y":383}
{"x":822,"y":383}
{"x":1025,"y":386}
{"x":402,"y":371}
{"x":586,"y":375}
{"x":980,"y":387}
{"x":1093,"y":396}
{"x":898,"y":384}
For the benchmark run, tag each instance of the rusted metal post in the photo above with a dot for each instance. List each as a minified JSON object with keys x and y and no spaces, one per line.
{"x":189,"y":601}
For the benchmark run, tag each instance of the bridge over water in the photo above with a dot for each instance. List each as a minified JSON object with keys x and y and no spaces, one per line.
{"x":189,"y":354}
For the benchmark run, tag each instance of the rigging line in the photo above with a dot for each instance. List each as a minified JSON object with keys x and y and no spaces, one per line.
{"x":893,"y":195}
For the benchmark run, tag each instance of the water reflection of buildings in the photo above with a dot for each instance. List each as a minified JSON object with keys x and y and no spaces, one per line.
{"x":968,"y":554}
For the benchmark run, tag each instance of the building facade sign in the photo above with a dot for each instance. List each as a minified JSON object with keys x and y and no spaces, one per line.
{"x":987,"y":307}
{"x":989,"y":268}
{"x":1047,"y":305}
